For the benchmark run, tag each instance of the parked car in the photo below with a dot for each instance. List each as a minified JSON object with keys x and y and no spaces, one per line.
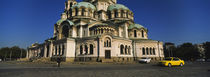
{"x":144,"y":60}
{"x":200,"y":60}
{"x":208,"y":60}
{"x":0,"y":60}
{"x":172,"y":61}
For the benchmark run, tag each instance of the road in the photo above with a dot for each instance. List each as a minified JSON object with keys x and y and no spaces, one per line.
{"x":103,"y":70}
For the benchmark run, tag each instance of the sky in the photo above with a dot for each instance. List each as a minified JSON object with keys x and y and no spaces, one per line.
{"x":23,"y":22}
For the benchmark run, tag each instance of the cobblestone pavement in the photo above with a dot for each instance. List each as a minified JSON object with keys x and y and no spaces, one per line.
{"x":103,"y":70}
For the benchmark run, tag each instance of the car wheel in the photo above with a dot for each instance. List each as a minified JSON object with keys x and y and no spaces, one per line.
{"x":181,"y":64}
{"x":169,"y":64}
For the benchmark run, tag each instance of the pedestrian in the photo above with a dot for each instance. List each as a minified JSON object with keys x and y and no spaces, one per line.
{"x":58,"y":61}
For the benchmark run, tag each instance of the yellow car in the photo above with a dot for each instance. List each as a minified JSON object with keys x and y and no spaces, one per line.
{"x":172,"y":61}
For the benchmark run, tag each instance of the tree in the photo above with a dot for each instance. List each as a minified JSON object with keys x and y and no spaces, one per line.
{"x":187,"y":51}
{"x":169,"y":49}
{"x":15,"y":52}
{"x":207,"y":49}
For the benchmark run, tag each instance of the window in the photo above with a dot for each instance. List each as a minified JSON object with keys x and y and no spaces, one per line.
{"x":91,"y":49}
{"x":107,"y":42}
{"x":176,"y":59}
{"x":63,"y":49}
{"x":126,"y":49}
{"x":147,"y":50}
{"x":121,"y":49}
{"x":129,"y":50}
{"x":59,"y":51}
{"x":122,"y":13}
{"x":83,"y":11}
{"x":86,"y":49}
{"x":81,"y":49}
{"x":135,"y":34}
{"x":154,"y":51}
{"x":142,"y":33}
{"x":150,"y":51}
{"x":56,"y":51}
{"x":143,"y":51}
{"x":76,"y":12}
{"x":115,"y":14}
{"x":65,"y":31}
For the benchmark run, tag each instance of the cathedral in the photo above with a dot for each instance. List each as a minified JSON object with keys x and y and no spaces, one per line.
{"x":97,"y":31}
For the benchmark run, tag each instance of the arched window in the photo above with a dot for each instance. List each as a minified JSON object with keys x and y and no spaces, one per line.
{"x":143,"y":51}
{"x":83,"y":11}
{"x":63,"y":49}
{"x":142,"y":33}
{"x":70,"y":12}
{"x":127,"y":14}
{"x":86,"y":49}
{"x":126,"y":49}
{"x":65,"y":31}
{"x":135,"y":33}
{"x":150,"y":51}
{"x":76,"y":11}
{"x":71,"y":4}
{"x":81,"y":49}
{"x":91,"y":49}
{"x":110,"y":15}
{"x":56,"y":51}
{"x":147,"y":50}
{"x":122,"y":12}
{"x":129,"y":50}
{"x":115,"y":14}
{"x":107,"y":42}
{"x":121,"y":49}
{"x":154,"y":53}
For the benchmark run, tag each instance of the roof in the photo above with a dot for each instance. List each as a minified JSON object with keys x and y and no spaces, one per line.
{"x":85,"y":4}
{"x":62,"y":20}
{"x":138,"y":26}
{"x":117,"y":6}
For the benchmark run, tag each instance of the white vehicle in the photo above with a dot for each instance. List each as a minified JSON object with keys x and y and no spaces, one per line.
{"x":200,"y":60}
{"x":0,"y":60}
{"x":145,"y":60}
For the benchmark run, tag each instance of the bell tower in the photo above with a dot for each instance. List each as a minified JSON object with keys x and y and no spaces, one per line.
{"x":69,"y":4}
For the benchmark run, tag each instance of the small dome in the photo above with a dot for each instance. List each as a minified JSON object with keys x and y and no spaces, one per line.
{"x":85,"y":4}
{"x":117,"y":6}
{"x":138,"y":26}
{"x":62,"y":20}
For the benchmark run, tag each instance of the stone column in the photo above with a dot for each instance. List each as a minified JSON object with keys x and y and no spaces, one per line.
{"x":27,"y":53}
{"x":83,"y":49}
{"x":57,"y":50}
{"x":81,"y":31}
{"x":126,"y":31}
{"x":50,"y":49}
{"x":45,"y":51}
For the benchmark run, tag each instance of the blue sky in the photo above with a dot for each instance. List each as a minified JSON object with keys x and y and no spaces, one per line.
{"x":24,"y":22}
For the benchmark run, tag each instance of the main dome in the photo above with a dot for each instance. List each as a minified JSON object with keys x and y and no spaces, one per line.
{"x":84,"y":4}
{"x":138,"y":26}
{"x":117,"y":6}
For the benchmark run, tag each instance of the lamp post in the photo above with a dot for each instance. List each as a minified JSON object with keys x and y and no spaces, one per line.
{"x":10,"y":55}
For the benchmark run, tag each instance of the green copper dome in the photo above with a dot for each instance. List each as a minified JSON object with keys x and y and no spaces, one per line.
{"x":138,"y":26}
{"x":117,"y":6}
{"x":62,"y":20}
{"x":84,"y":4}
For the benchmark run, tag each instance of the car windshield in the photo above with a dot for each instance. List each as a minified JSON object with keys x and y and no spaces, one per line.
{"x":167,"y":59}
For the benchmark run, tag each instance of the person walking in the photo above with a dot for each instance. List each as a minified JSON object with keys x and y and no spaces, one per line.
{"x":59,"y":61}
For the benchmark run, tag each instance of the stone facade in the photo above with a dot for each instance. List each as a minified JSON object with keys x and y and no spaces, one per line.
{"x":97,"y":30}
